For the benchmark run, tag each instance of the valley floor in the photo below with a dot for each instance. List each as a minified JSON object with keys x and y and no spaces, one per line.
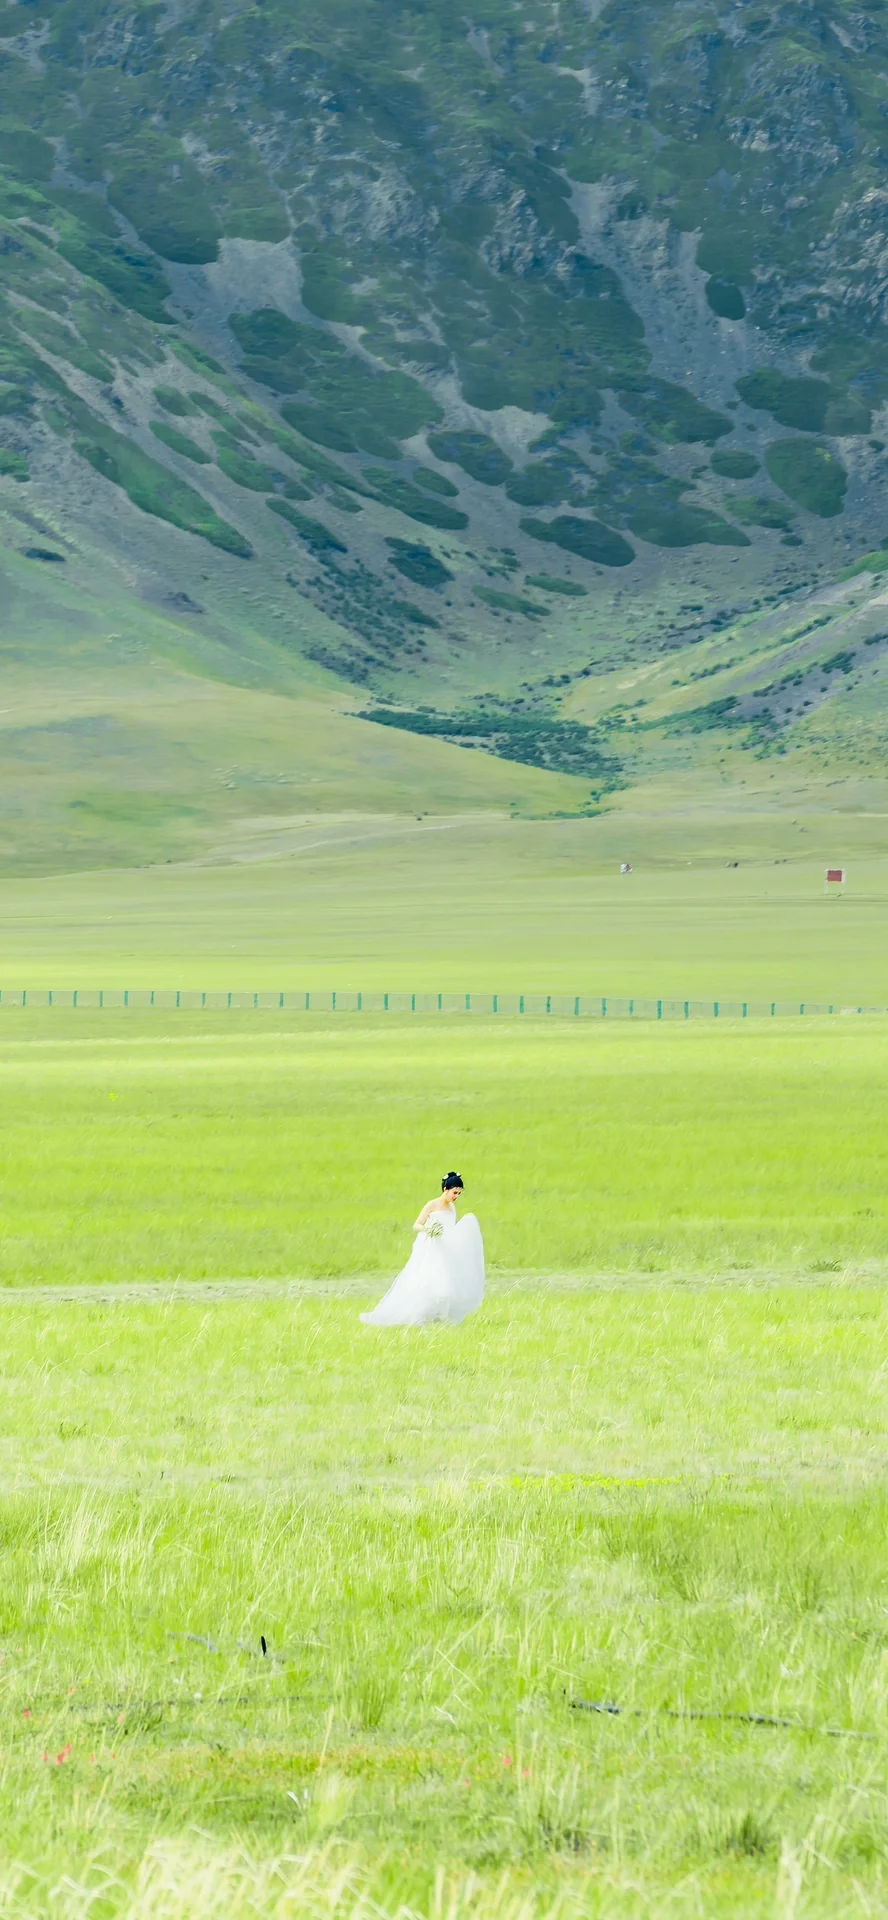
{"x":723,"y":902}
{"x":665,"y":1498}
{"x":300,"y":1617}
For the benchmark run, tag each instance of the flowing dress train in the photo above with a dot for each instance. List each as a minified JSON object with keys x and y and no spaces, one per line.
{"x":443,"y":1278}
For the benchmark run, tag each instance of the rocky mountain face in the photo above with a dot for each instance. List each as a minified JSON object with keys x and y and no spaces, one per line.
{"x":516,"y":339}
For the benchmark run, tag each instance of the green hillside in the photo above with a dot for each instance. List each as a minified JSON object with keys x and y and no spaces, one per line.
{"x":466,"y":375}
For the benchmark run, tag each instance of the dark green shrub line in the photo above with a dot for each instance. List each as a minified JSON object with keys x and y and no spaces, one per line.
{"x":418,"y":563}
{"x":810,"y":473}
{"x":733,"y":464}
{"x":149,"y":485}
{"x":180,"y":443}
{"x":548,"y":584}
{"x":13,"y":466}
{"x":246,"y":472}
{"x":680,"y":526}
{"x":590,"y":539}
{"x":562,"y":746}
{"x":762,"y":510}
{"x":314,"y":462}
{"x":809,"y":405}
{"x":478,"y":455}
{"x":511,"y":603}
{"x":313,"y":532}
{"x":391,"y":490}
{"x":434,"y":482}
{"x":175,"y":402}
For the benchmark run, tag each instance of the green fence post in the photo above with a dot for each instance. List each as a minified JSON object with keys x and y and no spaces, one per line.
{"x":229,"y":999}
{"x":548,"y":1002}
{"x":334,"y":1003}
{"x":385,"y":1003}
{"x":521,"y":1004}
{"x":577,"y":1006}
{"x":178,"y":997}
{"x":802,"y":1007}
{"x":74,"y":1002}
{"x":50,"y":998}
{"x":468,"y":1003}
{"x":745,"y":1009}
{"x":659,"y":1009}
{"x":126,"y":996}
{"x":715,"y":1009}
{"x":496,"y":1003}
{"x":440,"y":1003}
{"x":604,"y":1009}
{"x":832,"y":1009}
{"x":360,"y":1003}
{"x":308,"y":1003}
{"x":632,"y":1006}
{"x":413,"y":1002}
{"x":203,"y":999}
{"x":773,"y":1008}
{"x":24,"y":996}
{"x":151,"y":1002}
{"x":687,"y":1009}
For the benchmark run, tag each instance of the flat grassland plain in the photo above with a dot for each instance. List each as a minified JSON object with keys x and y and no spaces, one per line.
{"x":724,"y":904}
{"x":650,"y":1474}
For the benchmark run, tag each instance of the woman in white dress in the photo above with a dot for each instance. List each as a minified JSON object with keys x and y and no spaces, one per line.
{"x":444,"y":1276}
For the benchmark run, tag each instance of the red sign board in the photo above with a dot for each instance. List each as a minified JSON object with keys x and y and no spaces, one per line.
{"x":837,"y":874}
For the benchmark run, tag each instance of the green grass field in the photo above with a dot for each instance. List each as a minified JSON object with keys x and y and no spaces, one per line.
{"x":665,"y":1498}
{"x":649,"y":1474}
{"x":721,"y":904}
{"x":578,"y":1611}
{"x":148,"y":1146}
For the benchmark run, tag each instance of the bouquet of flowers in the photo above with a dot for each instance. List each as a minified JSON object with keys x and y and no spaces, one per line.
{"x":434,"y":1230}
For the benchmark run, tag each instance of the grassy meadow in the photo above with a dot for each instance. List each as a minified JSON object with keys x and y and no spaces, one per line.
{"x":660,"y":1497}
{"x":156,"y":1146}
{"x":722,"y":903}
{"x":649,"y":1474}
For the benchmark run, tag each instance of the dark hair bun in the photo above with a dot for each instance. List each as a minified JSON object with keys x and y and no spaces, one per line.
{"x":451,"y":1180}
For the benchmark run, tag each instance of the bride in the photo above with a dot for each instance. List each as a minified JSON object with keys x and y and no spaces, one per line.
{"x":444,"y":1276}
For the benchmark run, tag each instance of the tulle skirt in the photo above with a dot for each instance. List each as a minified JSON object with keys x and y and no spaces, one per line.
{"x":443,"y":1279}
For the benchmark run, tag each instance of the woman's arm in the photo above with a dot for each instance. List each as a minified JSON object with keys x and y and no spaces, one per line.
{"x":431,"y":1206}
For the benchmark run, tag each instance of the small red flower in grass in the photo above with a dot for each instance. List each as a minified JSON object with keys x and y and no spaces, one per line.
{"x":45,"y":1754}
{"x":507,"y":1759}
{"x":26,"y":1713}
{"x":92,"y":1759}
{"x":62,"y":1757}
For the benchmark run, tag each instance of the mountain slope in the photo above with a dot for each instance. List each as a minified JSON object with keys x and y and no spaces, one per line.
{"x":480,"y":356}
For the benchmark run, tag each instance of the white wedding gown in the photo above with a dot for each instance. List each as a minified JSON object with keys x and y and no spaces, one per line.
{"x":443,"y":1278}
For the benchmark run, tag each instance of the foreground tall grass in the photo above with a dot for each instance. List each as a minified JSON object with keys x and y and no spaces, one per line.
{"x":156,"y":1145}
{"x":297,"y":1617}
{"x":658,"y":1497}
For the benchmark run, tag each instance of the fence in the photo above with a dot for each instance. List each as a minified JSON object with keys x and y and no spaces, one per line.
{"x":576,"y":1006}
